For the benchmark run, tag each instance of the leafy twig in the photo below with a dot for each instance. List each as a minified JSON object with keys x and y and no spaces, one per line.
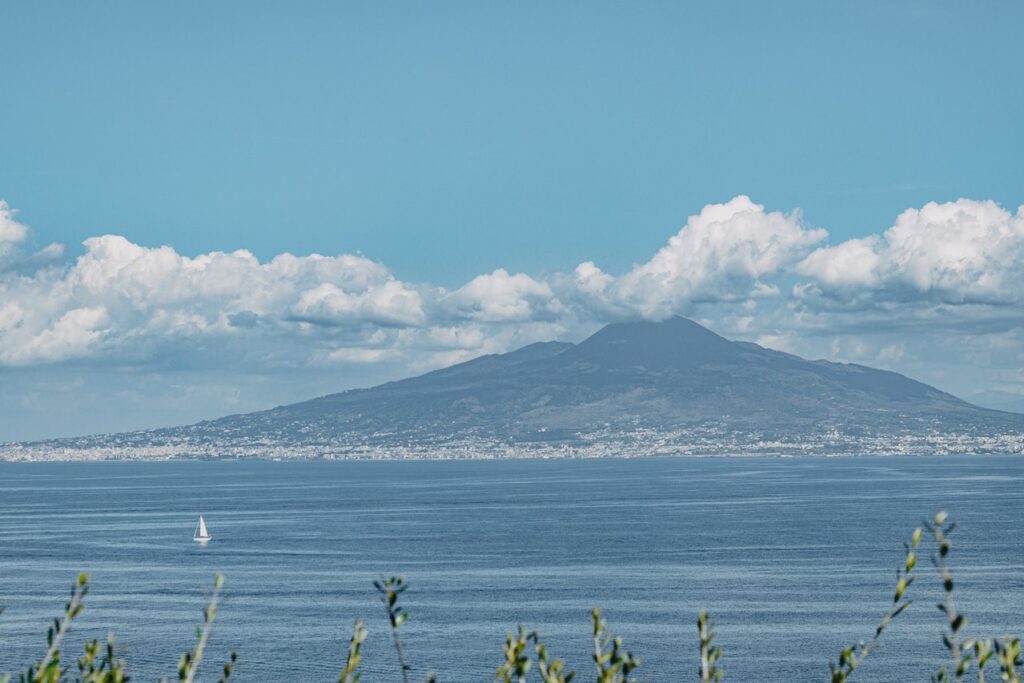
{"x":190,"y":660}
{"x":709,"y":654}
{"x":616,"y":664}
{"x":355,"y":653}
{"x":48,"y":670}
{"x":517,"y":662}
{"x":954,"y":621}
{"x":108,"y":669}
{"x":853,"y":656}
{"x":1010,"y":660}
{"x":389,"y":591}
{"x":229,"y":668}
{"x":551,"y":671}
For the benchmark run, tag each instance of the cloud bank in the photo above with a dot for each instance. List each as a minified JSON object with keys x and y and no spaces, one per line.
{"x":728,"y":252}
{"x":957,"y":253}
{"x":750,"y":272}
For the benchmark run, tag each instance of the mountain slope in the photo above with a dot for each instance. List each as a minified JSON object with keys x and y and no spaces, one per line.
{"x":667,"y":374}
{"x":645,"y":387}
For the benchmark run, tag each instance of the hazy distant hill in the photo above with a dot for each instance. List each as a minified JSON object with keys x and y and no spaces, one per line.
{"x":635,"y":388}
{"x":999,"y":400}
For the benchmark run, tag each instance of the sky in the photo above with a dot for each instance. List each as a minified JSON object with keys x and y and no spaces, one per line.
{"x":209,"y":209}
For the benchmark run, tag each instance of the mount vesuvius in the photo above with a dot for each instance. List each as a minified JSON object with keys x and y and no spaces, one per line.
{"x":630,"y":389}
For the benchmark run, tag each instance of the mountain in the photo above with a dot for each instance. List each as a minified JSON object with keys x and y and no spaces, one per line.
{"x":630,"y":389}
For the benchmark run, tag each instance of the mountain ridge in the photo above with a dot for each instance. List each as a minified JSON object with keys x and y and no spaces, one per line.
{"x":664,"y":387}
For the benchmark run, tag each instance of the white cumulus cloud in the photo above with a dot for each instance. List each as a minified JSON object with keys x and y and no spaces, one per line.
{"x":69,"y":336}
{"x":10,"y":229}
{"x":504,"y":297}
{"x":750,"y":272}
{"x":960,"y":252}
{"x":389,"y":303}
{"x":725,"y":253}
{"x":123,"y":299}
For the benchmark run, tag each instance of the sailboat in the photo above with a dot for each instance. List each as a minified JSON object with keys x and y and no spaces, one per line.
{"x":201,"y":535}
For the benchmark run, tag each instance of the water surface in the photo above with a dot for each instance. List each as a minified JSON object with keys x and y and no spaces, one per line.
{"x":794,"y":557}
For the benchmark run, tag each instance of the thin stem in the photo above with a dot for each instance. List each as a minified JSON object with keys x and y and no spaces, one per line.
{"x":955,"y":621}
{"x":71,"y":610}
{"x":854,"y":655}
{"x":708,"y":653}
{"x":190,"y":665}
{"x":389,"y":591}
{"x":355,"y":654}
{"x":598,"y":646}
{"x":401,"y":654}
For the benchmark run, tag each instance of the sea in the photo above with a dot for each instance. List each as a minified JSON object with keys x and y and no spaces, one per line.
{"x":795,"y":558}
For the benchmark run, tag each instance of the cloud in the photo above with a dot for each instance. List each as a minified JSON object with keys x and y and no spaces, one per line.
{"x":389,"y":303}
{"x":962,"y":252}
{"x":10,"y":229}
{"x":152,"y":298}
{"x":501,"y":297}
{"x":12,"y":237}
{"x":70,"y":336}
{"x":749,"y":272}
{"x":725,"y":253}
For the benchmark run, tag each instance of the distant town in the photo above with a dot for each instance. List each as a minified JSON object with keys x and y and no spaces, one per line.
{"x":604,"y":443}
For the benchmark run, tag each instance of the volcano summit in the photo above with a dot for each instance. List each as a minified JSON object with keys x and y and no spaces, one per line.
{"x":643,"y":388}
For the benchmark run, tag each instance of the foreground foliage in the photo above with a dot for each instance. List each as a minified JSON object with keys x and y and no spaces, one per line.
{"x":524,"y":652}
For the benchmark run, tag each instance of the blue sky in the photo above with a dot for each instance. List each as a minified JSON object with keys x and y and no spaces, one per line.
{"x":445,"y":141}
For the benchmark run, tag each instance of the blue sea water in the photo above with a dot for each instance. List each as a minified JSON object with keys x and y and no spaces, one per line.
{"x":794,"y":557}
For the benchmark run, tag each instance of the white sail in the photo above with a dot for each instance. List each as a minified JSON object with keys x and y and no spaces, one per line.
{"x":201,"y":533}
